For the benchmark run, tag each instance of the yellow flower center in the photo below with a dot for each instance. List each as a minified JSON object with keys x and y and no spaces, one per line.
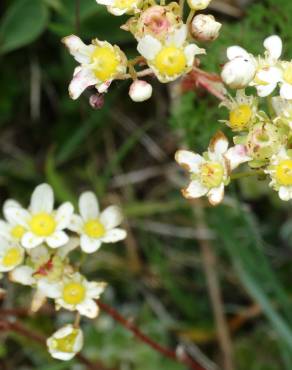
{"x":65,"y":344}
{"x":105,"y":62}
{"x":73,"y":293}
{"x":13,"y":257}
{"x":42,"y":224}
{"x":284,"y":172}
{"x":124,"y":4}
{"x":17,"y":231}
{"x":212,"y":174}
{"x":240,"y":116}
{"x":94,"y":229}
{"x":170,"y":61}
{"x":287,"y":75}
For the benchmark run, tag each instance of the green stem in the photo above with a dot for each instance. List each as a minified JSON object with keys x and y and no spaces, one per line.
{"x":241,"y":175}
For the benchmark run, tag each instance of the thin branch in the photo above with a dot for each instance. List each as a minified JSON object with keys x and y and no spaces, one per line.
{"x":20,"y":329}
{"x":173,"y":355}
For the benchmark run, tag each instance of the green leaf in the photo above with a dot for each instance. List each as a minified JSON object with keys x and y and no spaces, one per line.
{"x":23,"y":23}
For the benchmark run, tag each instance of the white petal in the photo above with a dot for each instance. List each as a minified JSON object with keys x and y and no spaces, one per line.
{"x":29,"y":240}
{"x":179,"y":36}
{"x":76,"y":224}
{"x":237,"y":155}
{"x":114,"y":235}
{"x":189,"y":160}
{"x":111,"y":217}
{"x":194,"y":190}
{"x":148,"y":47}
{"x":78,"y":49}
{"x":88,"y":308}
{"x":82,"y":79}
{"x":42,"y":199}
{"x":270,"y":75}
{"x":63,"y":215}
{"x":284,"y":193}
{"x":273,"y":44}
{"x":265,"y":90}
{"x":22,"y":275}
{"x":58,"y":239}
{"x":95,"y":289}
{"x":105,"y":2}
{"x":237,"y":51}
{"x":8,"y":204}
{"x":190,"y":51}
{"x":63,"y":356}
{"x":117,"y":11}
{"x":88,"y":206}
{"x":49,"y":289}
{"x":5,"y":230}
{"x":215,"y":195}
{"x":286,"y":91}
{"x":102,"y":88}
{"x":17,"y":216}
{"x":218,"y":144}
{"x":89,"y":245}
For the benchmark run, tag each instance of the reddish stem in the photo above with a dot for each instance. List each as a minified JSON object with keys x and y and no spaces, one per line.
{"x":183,"y":358}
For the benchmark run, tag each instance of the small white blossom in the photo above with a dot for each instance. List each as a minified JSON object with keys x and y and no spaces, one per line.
{"x":10,"y":229}
{"x":198,"y":4}
{"x":211,"y":172}
{"x":120,"y":7}
{"x":171,"y":58}
{"x":96,"y":227}
{"x":240,"y":70}
{"x":75,"y":293}
{"x":100,"y":63}
{"x":65,"y":343}
{"x":280,"y":171}
{"x":41,"y":222}
{"x":11,"y":255}
{"x":205,"y":28}
{"x":140,"y":91}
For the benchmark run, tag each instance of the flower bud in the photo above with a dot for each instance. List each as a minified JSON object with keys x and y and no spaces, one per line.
{"x":140,"y":91}
{"x":205,"y":28}
{"x":96,"y":101}
{"x":198,"y":4}
{"x":263,"y":140}
{"x":238,"y":72}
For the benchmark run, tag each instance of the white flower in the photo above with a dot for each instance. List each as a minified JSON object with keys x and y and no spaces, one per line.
{"x":100,"y":63}
{"x":286,"y":80}
{"x":11,"y":255}
{"x":65,"y":343}
{"x":40,"y":221}
{"x":120,"y":7}
{"x":205,"y":28}
{"x":140,"y":91}
{"x":198,"y":4}
{"x":94,"y":227}
{"x":171,"y":58}
{"x":242,"y":110}
{"x":10,"y":229}
{"x":211,"y":172}
{"x":76,"y":293}
{"x":240,"y":70}
{"x":280,"y":170}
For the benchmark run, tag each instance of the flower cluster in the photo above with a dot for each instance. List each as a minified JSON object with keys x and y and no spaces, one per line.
{"x":262,"y":136}
{"x":35,"y":246}
{"x":165,"y":44}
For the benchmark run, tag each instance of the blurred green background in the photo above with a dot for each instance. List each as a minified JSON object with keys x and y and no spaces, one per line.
{"x":124,"y":152}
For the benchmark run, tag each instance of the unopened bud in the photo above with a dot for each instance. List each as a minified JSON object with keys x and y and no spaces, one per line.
{"x":140,"y":91}
{"x":96,"y":101}
{"x":205,"y":28}
{"x":198,"y":4}
{"x":238,"y":72}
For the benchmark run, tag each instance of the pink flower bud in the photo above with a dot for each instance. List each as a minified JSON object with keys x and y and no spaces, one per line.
{"x":205,"y":28}
{"x":96,"y":101}
{"x":140,"y":91}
